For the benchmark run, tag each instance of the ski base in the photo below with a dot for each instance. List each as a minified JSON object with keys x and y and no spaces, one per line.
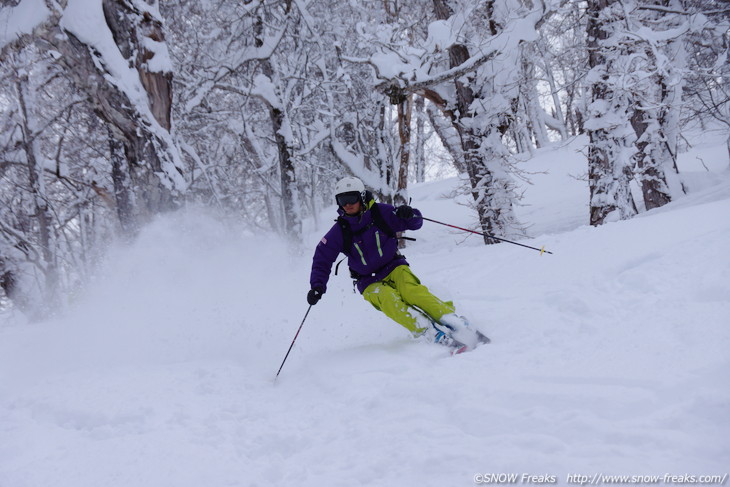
{"x":459,"y":350}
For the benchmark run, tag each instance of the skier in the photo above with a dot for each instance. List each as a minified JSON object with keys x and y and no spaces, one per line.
{"x":365,"y":233}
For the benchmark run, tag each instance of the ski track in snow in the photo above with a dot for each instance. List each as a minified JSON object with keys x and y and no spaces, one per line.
{"x":610,"y":356}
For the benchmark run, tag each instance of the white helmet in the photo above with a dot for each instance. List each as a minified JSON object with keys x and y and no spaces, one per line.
{"x":350,"y":185}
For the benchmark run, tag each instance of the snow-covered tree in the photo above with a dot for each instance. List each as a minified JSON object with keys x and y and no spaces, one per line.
{"x":655,"y":59}
{"x":118,"y":58}
{"x":421,"y":137}
{"x":707,"y":80}
{"x":76,"y":78}
{"x":611,"y":146}
{"x":560,"y":57}
{"x":56,"y":192}
{"x":467,"y":65}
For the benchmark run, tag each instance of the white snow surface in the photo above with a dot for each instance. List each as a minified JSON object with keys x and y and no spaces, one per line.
{"x":608,"y":357}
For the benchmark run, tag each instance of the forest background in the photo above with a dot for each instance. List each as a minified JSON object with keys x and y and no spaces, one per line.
{"x":115,"y":111}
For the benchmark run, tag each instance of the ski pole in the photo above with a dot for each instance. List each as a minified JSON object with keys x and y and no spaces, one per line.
{"x":292,"y":343}
{"x":542,"y":250}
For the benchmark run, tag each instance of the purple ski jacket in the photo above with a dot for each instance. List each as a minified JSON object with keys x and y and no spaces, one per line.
{"x":373,"y":254}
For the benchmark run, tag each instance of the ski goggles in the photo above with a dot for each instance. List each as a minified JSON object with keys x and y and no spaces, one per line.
{"x":348,"y":198}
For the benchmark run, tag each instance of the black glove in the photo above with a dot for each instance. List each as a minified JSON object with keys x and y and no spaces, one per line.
{"x":404,"y":212}
{"x":314,"y":295}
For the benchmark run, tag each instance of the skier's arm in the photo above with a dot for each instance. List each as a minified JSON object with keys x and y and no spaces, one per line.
{"x":405,"y":218}
{"x":324,"y":256}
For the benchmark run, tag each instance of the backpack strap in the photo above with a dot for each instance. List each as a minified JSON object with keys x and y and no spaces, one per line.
{"x":380,"y":221}
{"x":346,"y":235}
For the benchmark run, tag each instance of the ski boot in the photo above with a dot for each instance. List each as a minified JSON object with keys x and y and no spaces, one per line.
{"x":433,"y":333}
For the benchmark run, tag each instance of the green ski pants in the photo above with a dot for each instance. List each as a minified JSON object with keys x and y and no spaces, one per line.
{"x":400,"y":290}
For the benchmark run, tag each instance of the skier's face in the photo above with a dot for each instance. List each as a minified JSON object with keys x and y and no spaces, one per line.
{"x":352,"y":209}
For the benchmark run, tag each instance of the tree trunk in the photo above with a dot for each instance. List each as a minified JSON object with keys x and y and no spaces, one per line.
{"x":419,"y":158}
{"x":130,"y":28}
{"x":649,"y":170}
{"x":608,"y":173}
{"x":387,"y":171}
{"x":151,"y":156}
{"x":449,"y":137}
{"x":482,"y":146}
{"x":290,"y":206}
{"x":123,"y":196}
{"x":531,"y":102}
{"x":405,"y":111}
{"x":556,"y":102}
{"x":656,"y":111}
{"x":288,"y":179}
{"x":7,"y":279}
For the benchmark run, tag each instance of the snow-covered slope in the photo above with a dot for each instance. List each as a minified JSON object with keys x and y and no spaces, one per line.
{"x":608,"y":357}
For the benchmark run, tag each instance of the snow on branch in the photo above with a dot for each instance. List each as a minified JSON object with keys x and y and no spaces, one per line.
{"x":355,"y":164}
{"x":667,"y":10}
{"x":234,"y":65}
{"x":85,"y":20}
{"x":20,"y":20}
{"x":262,"y":89}
{"x":400,"y":75}
{"x":454,"y":73}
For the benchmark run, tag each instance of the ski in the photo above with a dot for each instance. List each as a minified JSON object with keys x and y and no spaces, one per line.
{"x":460,"y":348}
{"x":483,"y":339}
{"x":467,"y":339}
{"x":446,"y":335}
